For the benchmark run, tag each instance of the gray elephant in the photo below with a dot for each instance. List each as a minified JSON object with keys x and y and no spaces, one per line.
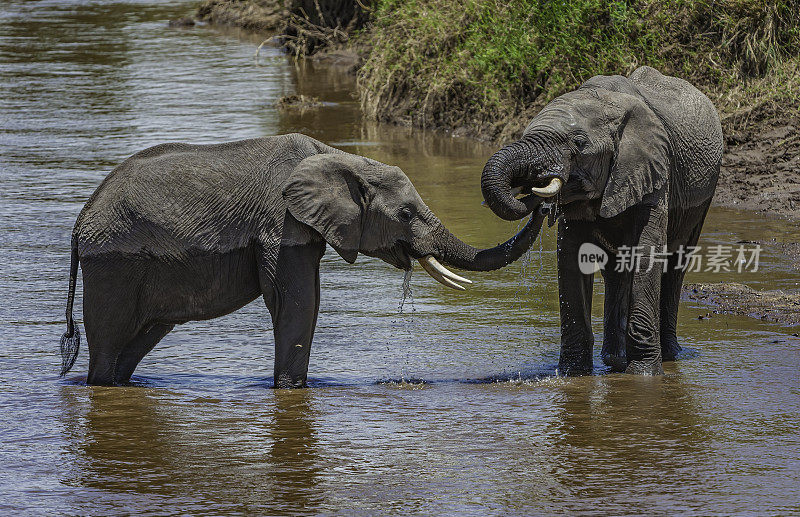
{"x":629,"y":161}
{"x":183,"y":232}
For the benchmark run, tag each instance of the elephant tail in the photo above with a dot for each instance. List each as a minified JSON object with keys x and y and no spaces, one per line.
{"x":71,"y":340}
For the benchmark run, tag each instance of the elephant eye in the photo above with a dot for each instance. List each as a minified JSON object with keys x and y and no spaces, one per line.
{"x":406,"y":214}
{"x":580,"y":142}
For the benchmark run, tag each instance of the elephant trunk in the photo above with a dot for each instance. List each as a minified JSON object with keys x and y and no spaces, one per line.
{"x":514,"y":169}
{"x":507,"y":168}
{"x":456,"y":253}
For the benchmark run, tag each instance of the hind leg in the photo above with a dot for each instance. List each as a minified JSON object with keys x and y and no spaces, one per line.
{"x":135,"y":350}
{"x":671,"y":285}
{"x":109,"y":316}
{"x":105,"y":344}
{"x":107,"y":333}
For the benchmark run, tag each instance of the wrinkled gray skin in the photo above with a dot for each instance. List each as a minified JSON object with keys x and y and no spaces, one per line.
{"x":183,"y":232}
{"x":640,"y":158}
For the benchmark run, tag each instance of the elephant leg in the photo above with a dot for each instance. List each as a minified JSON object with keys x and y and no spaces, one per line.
{"x":670,"y":298}
{"x":102,"y":359}
{"x":109,"y":311}
{"x":293,"y":302}
{"x":575,"y":299}
{"x":671,"y":285}
{"x":642,"y":341}
{"x":615,"y":315}
{"x":137,"y":348}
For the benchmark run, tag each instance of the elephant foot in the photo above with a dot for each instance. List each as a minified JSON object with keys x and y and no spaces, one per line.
{"x":613,"y":355}
{"x":285,"y":381}
{"x":670,"y":350}
{"x":616,"y":361}
{"x":645,"y":368}
{"x":572,"y":368}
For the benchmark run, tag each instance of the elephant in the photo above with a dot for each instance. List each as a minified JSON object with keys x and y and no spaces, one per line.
{"x":182,"y":232}
{"x":630,"y":165}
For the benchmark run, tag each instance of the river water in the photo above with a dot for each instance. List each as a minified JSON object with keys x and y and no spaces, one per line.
{"x":449,"y":405}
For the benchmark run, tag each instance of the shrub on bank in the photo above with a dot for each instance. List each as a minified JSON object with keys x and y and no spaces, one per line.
{"x":480,"y":64}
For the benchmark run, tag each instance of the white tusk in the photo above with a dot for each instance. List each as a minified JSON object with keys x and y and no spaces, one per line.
{"x":444,"y":271}
{"x":550,"y":190}
{"x":441,"y":274}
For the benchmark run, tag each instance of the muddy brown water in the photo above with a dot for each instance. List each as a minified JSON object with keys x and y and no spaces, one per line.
{"x":450,"y":406}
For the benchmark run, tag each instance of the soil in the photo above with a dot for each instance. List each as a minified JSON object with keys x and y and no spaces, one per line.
{"x":298,"y":102}
{"x":182,"y":22}
{"x":761,"y":171}
{"x":733,"y":298}
{"x":255,"y":15}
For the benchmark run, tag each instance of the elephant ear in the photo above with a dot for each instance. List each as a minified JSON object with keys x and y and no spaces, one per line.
{"x":325,"y":192}
{"x":641,"y":163}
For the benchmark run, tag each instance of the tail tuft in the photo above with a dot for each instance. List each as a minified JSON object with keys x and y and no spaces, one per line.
{"x":71,"y":340}
{"x":69,"y":350}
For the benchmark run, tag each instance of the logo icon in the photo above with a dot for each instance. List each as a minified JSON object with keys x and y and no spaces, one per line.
{"x":591,"y":258}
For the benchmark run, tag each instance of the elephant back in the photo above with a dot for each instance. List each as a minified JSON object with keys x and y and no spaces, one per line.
{"x":176,"y":199}
{"x":695,"y":134}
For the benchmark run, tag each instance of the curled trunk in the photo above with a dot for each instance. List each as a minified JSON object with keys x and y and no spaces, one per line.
{"x":457,"y":253}
{"x":504,"y":170}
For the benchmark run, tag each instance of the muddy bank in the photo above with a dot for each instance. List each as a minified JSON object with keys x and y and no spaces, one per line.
{"x":302,"y":27}
{"x":761,"y":171}
{"x":733,"y":298}
{"x":265,"y":16}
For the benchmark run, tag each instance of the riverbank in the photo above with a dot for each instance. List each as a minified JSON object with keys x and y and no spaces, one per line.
{"x":741,"y":300}
{"x":483,"y":70}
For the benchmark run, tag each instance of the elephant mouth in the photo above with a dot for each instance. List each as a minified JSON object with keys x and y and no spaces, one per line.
{"x":400,"y":257}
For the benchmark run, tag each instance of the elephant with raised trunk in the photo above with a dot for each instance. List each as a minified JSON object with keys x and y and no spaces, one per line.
{"x":183,"y":232}
{"x":627,"y":161}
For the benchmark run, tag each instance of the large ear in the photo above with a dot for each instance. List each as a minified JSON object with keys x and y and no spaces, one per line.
{"x":641,"y":164}
{"x":326,"y":192}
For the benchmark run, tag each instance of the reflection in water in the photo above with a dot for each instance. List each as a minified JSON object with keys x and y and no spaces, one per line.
{"x":641,"y":433}
{"x":293,"y":457}
{"x":146,"y":449}
{"x":86,"y":84}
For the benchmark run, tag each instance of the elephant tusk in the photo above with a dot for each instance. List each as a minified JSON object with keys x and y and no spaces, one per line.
{"x":441,"y":274}
{"x":444,"y":271}
{"x":550,"y":190}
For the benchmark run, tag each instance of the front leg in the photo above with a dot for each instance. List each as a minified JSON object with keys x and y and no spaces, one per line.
{"x":615,"y":314}
{"x":575,"y":299}
{"x":642,"y":341}
{"x":293,"y":302}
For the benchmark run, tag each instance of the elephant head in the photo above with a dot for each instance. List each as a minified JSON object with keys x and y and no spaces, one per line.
{"x":361,"y":205}
{"x":600,"y":149}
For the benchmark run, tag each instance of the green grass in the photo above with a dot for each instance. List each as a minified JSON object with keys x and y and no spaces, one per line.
{"x":481,"y":63}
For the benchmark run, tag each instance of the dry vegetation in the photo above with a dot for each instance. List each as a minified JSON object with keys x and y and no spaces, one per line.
{"x":303,"y":26}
